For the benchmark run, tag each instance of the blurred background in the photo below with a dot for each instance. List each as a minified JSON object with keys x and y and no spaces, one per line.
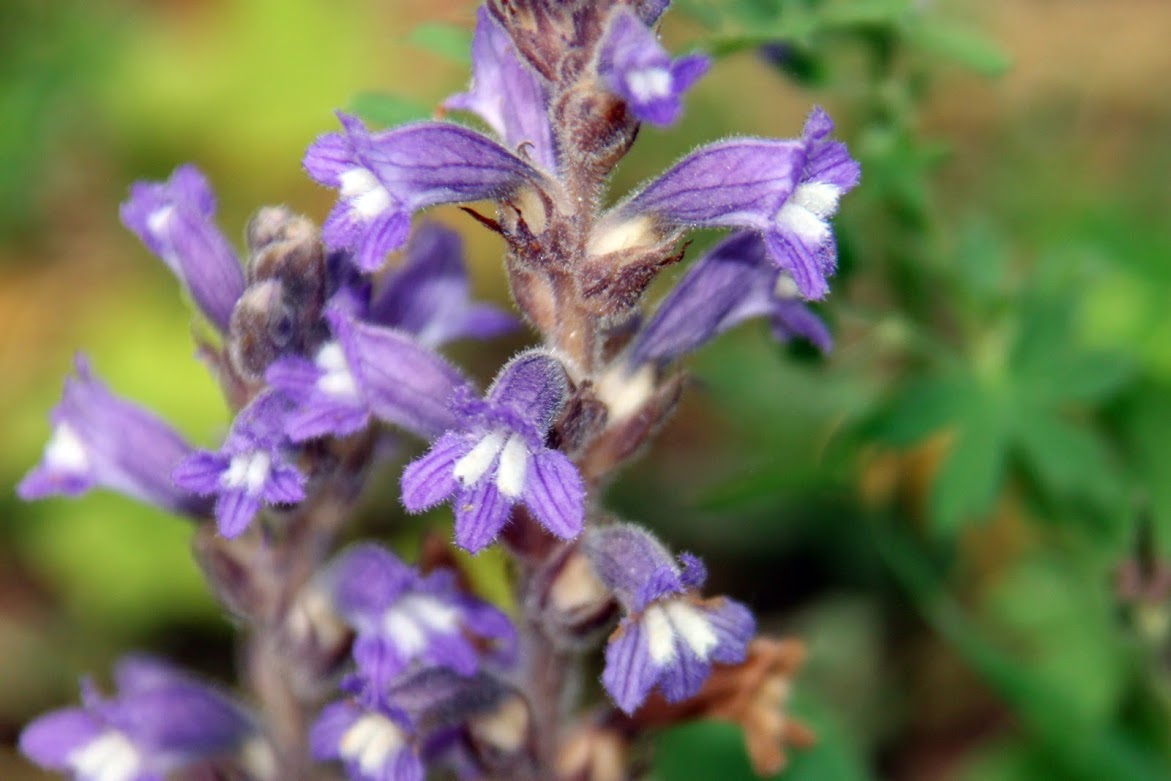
{"x":964,"y":511}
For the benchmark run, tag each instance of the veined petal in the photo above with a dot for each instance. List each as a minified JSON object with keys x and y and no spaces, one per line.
{"x":741,"y":182}
{"x":480,"y":514}
{"x":554,"y":494}
{"x":629,"y":674}
{"x":402,"y":381}
{"x":429,"y":480}
{"x":234,"y":510}
{"x":732,"y":282}
{"x":533,"y":385}
{"x":734,"y":627}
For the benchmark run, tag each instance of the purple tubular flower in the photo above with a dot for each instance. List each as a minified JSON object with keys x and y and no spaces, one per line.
{"x":496,"y":457}
{"x":100,"y":439}
{"x":174,"y":220}
{"x":160,"y":721}
{"x":784,"y":190}
{"x":404,"y":619}
{"x":429,"y":295}
{"x":374,"y":741}
{"x":508,"y":95}
{"x":734,"y":282}
{"x":669,"y":638}
{"x":384,"y":178}
{"x":366,"y":371}
{"x":633,"y":66}
{"x":250,"y":471}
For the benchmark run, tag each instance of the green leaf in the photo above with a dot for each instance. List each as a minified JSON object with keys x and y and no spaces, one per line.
{"x":921,"y":408}
{"x":858,"y":13}
{"x":1067,"y":460}
{"x":962,"y":45}
{"x":972,"y":472}
{"x":387,"y":110}
{"x":1078,"y":746}
{"x":445,"y":40}
{"x":1146,"y":421}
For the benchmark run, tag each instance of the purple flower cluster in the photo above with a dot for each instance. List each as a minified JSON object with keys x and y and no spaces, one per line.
{"x":330,"y":359}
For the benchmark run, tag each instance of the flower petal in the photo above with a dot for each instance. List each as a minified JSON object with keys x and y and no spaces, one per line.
{"x":480,"y":514}
{"x":50,"y":739}
{"x":429,"y":480}
{"x":507,"y":94}
{"x":629,"y":674}
{"x":532,"y":385}
{"x":554,"y":493}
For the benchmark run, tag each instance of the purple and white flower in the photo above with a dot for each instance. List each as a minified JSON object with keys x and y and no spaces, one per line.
{"x":404,"y":619}
{"x":734,"y":282}
{"x":384,"y":178}
{"x":495,"y":457}
{"x":365,"y":372}
{"x":507,"y":94}
{"x":785,"y":190}
{"x":102,"y":440}
{"x":373,"y":740}
{"x":633,"y":66}
{"x":251,"y":470}
{"x":668,"y":638}
{"x":429,"y":295}
{"x":175,"y":220}
{"x":160,"y":721}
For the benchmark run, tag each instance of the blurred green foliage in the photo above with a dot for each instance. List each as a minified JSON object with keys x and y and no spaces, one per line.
{"x":941,"y":509}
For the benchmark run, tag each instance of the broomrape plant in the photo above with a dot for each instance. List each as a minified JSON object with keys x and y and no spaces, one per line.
{"x":329,"y":353}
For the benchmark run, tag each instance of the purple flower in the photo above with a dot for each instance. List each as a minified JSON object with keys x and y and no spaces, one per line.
{"x":734,"y":282}
{"x":101,"y":440}
{"x":373,"y":740}
{"x":404,"y":619}
{"x":784,"y":190}
{"x":496,"y":457}
{"x":174,"y":220}
{"x":429,"y":295}
{"x":364,"y":372}
{"x":669,"y":638}
{"x":160,"y":721}
{"x":633,"y":66}
{"x":384,"y":178}
{"x":250,"y":471}
{"x":507,"y":94}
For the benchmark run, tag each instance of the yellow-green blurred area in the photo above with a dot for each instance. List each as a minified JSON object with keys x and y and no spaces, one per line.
{"x":994,"y":644}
